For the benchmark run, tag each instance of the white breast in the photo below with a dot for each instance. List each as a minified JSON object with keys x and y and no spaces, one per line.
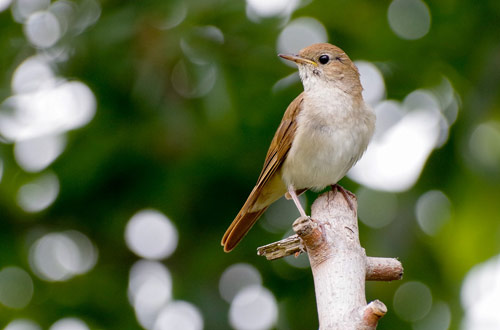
{"x":332,"y":134}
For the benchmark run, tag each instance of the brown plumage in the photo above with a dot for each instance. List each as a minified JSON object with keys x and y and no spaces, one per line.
{"x":323,"y":133}
{"x":261,"y":196}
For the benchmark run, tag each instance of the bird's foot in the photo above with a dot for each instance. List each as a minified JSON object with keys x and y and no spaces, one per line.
{"x":348,"y":196}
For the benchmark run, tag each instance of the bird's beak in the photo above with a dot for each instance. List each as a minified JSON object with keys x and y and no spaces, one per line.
{"x":297,"y":59}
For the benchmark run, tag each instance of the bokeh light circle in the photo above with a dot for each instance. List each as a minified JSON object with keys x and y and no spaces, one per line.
{"x":179,"y":315}
{"x":433,"y":210}
{"x":421,"y":99}
{"x":257,"y":9}
{"x":22,"y":324}
{"x":253,"y":308}
{"x":65,"y":11}
{"x":175,"y":16}
{"x":237,"y":277}
{"x":47,"y":111}
{"x":372,"y":82}
{"x":376,"y":209}
{"x":4,"y":4}
{"x":396,"y":156}
{"x":277,"y":217}
{"x":300,"y":33}
{"x":60,"y":256}
{"x":38,"y":194}
{"x":42,"y":29}
{"x":69,"y":323}
{"x":409,"y":19}
{"x":144,"y":271}
{"x":388,"y":114}
{"x":33,"y":74}
{"x":88,"y":14}
{"x":193,"y":80}
{"x":16,"y":287}
{"x":480,"y":294}
{"x":412,"y":301}
{"x":484,"y":146}
{"x":22,"y":9}
{"x":34,"y":155}
{"x":150,"y":234}
{"x":149,"y":290}
{"x":439,"y":318}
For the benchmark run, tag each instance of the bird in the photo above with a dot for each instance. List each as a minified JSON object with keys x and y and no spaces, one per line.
{"x":324,"y":132}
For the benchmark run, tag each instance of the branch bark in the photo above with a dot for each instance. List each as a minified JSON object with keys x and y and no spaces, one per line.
{"x":377,"y":269}
{"x":338,"y":262}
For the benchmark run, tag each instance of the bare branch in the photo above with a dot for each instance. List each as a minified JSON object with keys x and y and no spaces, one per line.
{"x":339,"y":264}
{"x":377,"y":269}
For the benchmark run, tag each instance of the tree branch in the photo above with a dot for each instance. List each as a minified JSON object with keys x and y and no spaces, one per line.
{"x":377,"y":269}
{"x":338,"y":262}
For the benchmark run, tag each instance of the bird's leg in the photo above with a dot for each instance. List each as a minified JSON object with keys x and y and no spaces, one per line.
{"x":295,"y":198}
{"x":347,"y":195}
{"x":298,"y":192}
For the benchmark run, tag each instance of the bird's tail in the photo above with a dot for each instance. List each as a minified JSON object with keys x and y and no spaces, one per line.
{"x":239,"y":228}
{"x":259,"y":200}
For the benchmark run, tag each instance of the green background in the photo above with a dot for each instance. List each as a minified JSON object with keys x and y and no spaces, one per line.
{"x":196,"y":159}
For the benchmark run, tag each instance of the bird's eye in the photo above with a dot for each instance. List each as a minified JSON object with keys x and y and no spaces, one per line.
{"x":323,"y":59}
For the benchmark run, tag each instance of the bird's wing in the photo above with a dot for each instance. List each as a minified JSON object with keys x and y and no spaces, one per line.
{"x":269,"y":186}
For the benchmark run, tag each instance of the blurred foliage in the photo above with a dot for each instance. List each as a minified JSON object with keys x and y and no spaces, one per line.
{"x":155,"y":145}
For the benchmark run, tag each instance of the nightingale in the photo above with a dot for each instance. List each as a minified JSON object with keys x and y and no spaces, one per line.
{"x":323,"y":133}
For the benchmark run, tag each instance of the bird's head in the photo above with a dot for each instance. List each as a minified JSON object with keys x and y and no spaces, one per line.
{"x":324,"y":63}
